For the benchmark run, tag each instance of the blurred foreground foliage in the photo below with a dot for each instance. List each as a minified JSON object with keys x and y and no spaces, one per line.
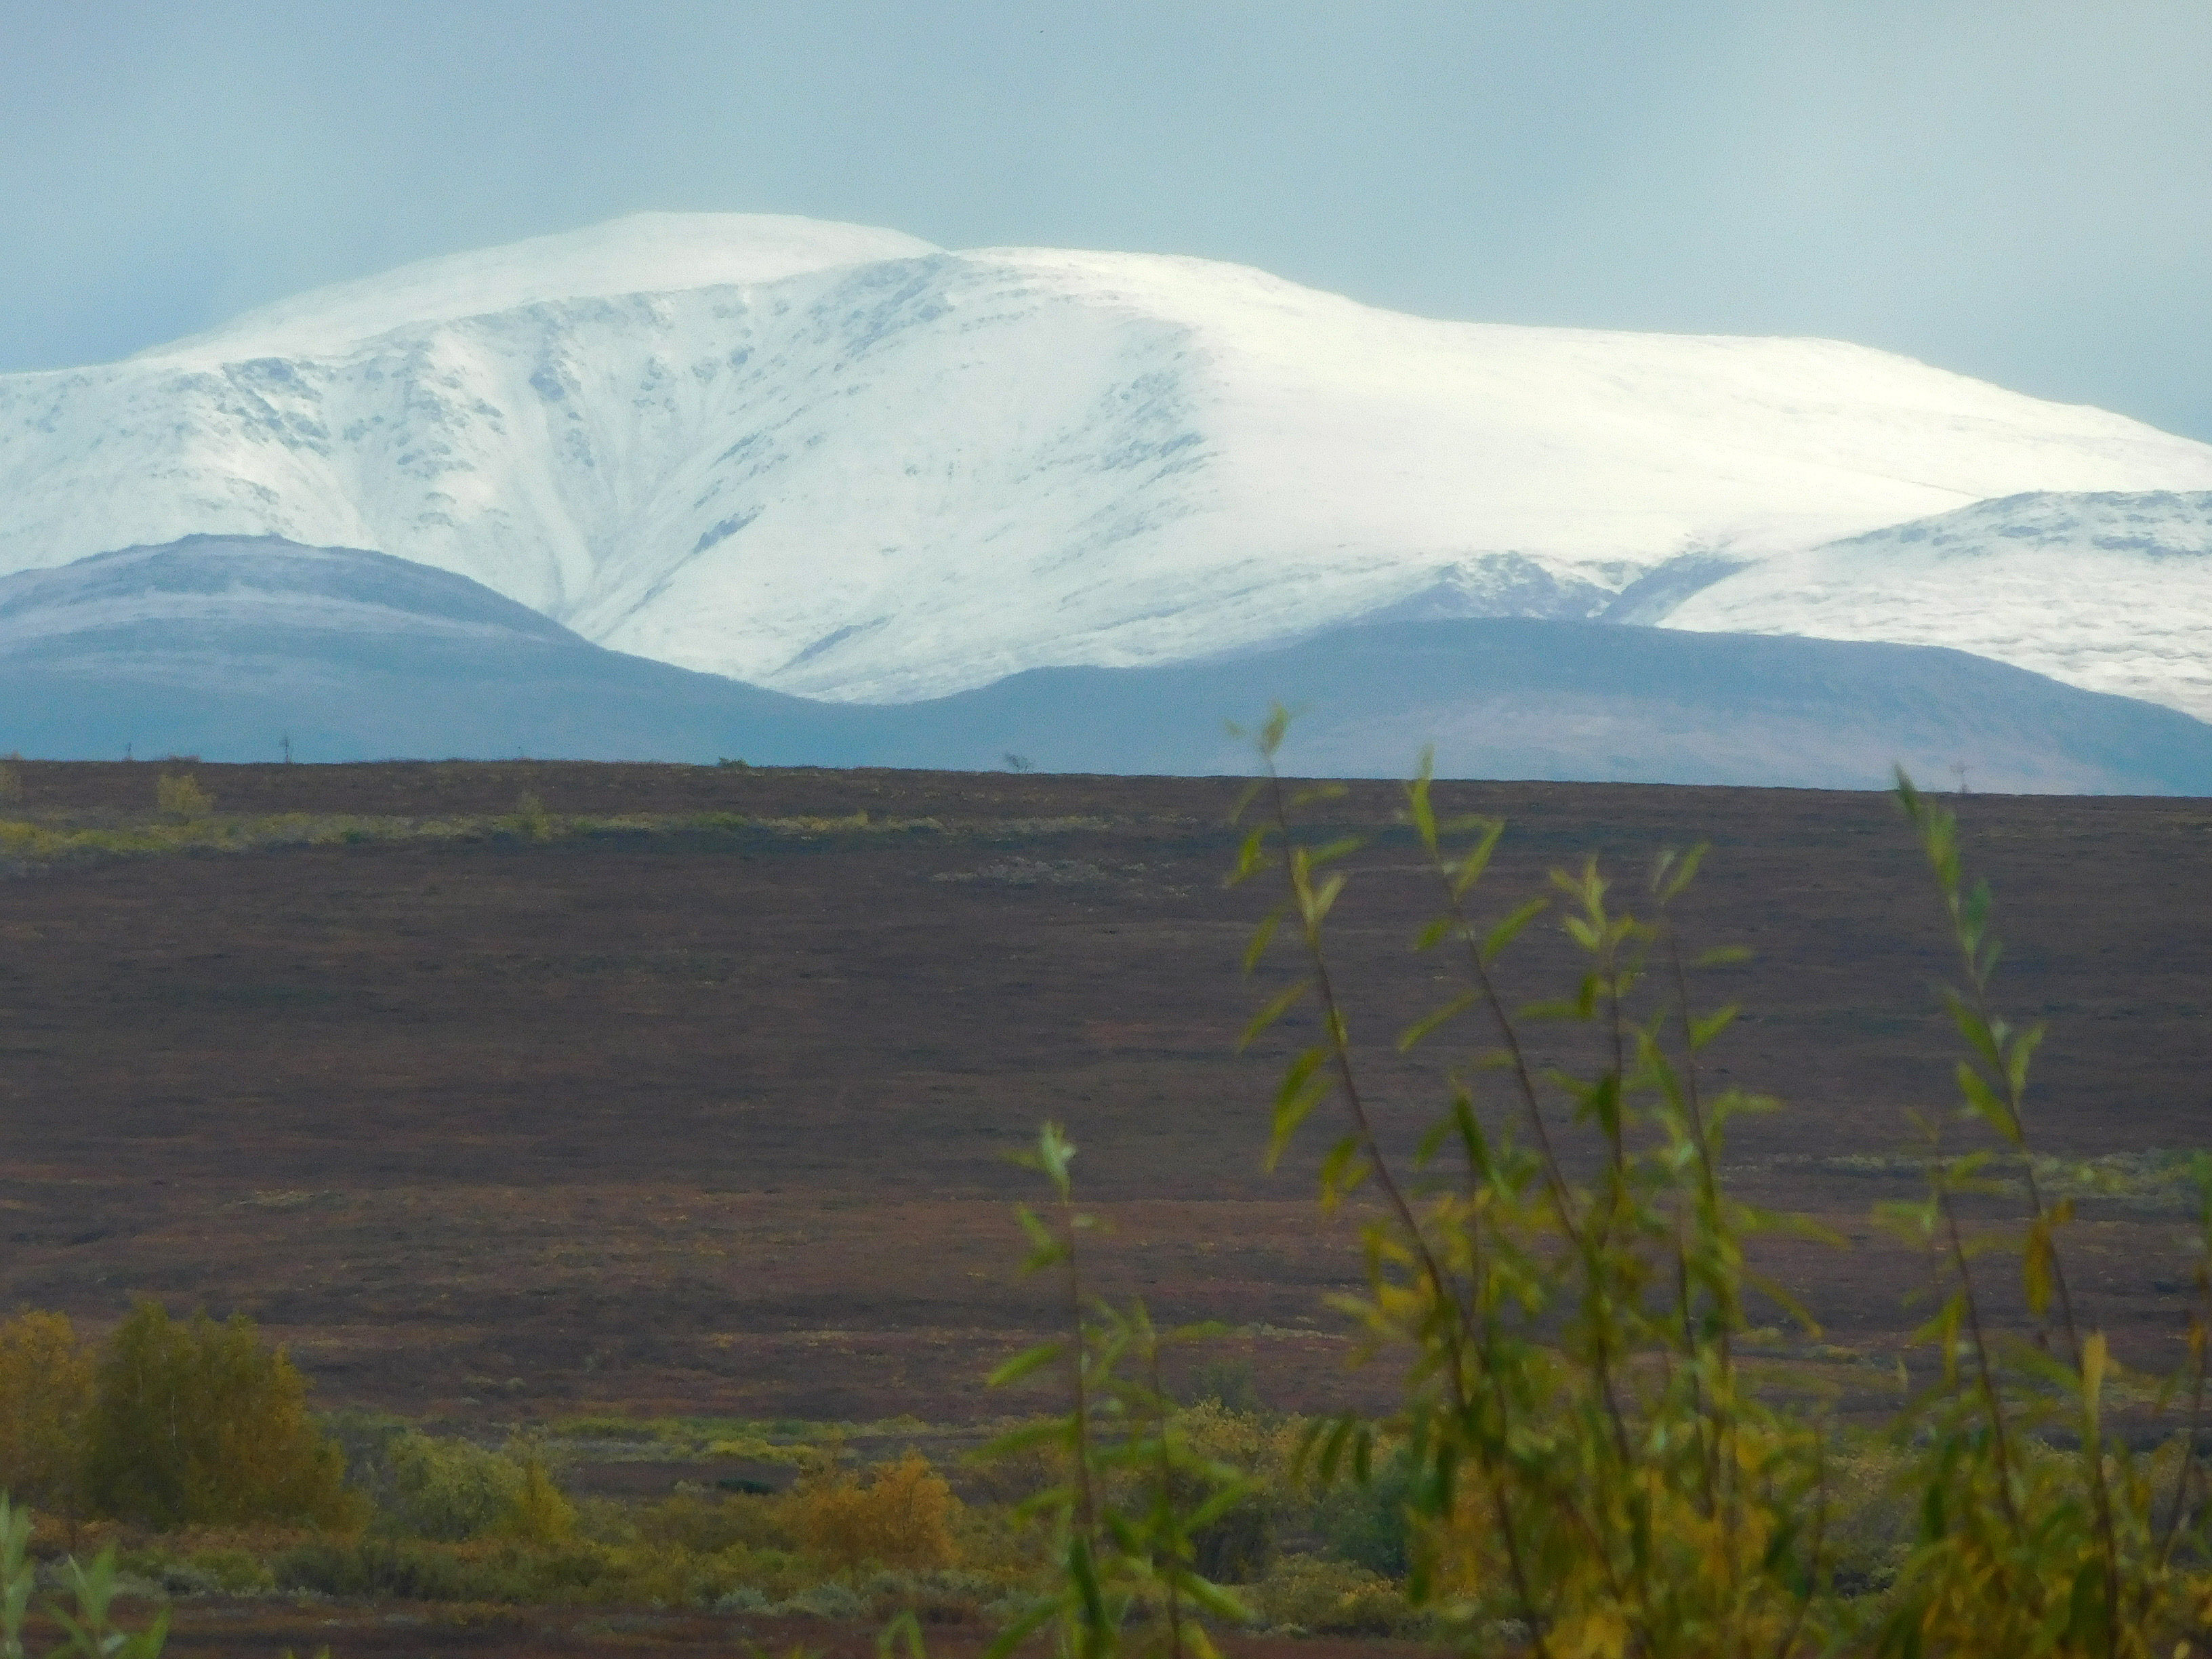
{"x":1583,"y":1463}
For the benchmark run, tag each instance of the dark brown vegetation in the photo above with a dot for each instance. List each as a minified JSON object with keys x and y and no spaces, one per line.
{"x":713,"y":1120}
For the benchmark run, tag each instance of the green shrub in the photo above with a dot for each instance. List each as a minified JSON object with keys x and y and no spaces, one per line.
{"x":365,"y":1568}
{"x":89,"y":1628}
{"x":447,"y":1490}
{"x":537,"y":1513}
{"x":711,"y":1526}
{"x":452,"y":1491}
{"x":233,"y":1571}
{"x":2039,"y":1534}
{"x":46,"y":1389}
{"x":1366,"y":1522}
{"x":1135,"y":1493}
{"x":199,"y":1423}
{"x":179,"y":795}
{"x":1333,"y":1598}
{"x":1871,"y":1520}
{"x":530,"y":820}
{"x":1563,"y":1278}
{"x":1236,"y":1544}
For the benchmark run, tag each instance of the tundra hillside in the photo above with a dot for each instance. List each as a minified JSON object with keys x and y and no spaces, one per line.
{"x":695,"y":1095}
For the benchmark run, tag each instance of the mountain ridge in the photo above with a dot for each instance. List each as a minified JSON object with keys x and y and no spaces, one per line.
{"x":2107,"y":591}
{"x":680,"y":252}
{"x":892,"y":479}
{"x":230,"y":648}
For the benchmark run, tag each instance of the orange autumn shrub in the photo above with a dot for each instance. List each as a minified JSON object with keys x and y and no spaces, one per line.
{"x":902,"y":1517}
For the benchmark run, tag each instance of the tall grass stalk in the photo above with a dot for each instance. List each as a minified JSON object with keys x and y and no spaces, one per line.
{"x":1557,"y":1263}
{"x":2024,"y":1547}
{"x":1135,"y":1493}
{"x":1592,"y":1471}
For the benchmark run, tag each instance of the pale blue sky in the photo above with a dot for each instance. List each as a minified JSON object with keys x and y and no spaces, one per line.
{"x":2020,"y":190}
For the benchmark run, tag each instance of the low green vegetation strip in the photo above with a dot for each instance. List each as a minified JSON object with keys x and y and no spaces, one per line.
{"x":182,"y":818}
{"x":256,"y":1499}
{"x":37,"y":843}
{"x":184,"y":1451}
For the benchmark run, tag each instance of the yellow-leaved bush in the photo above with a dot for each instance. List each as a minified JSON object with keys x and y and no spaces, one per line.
{"x":179,"y":795}
{"x":901,"y":1516}
{"x":194,"y":1423}
{"x":46,"y":1390}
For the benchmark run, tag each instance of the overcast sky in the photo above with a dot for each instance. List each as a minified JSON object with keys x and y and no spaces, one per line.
{"x":2020,"y":190}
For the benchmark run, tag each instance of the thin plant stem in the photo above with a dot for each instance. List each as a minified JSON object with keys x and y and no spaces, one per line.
{"x":1086,"y":1509}
{"x":1709,"y":1195}
{"x":1166,"y":1476}
{"x":1555,"y":1181}
{"x":2092,"y":1453}
{"x":2197,"y":1342}
{"x":1992,"y":1401}
{"x":1340,"y":1047}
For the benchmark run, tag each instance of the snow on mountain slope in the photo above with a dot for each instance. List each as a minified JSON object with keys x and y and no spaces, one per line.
{"x":895,"y":478}
{"x":665,"y":252}
{"x":2109,"y":591}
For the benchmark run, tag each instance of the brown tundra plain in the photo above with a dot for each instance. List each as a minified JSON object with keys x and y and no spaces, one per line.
{"x":524,"y":1093}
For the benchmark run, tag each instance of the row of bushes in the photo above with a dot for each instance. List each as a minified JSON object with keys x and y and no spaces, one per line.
{"x":1303,"y":1592}
{"x":198,"y":1430}
{"x":199,"y":1426}
{"x":168,"y":1423}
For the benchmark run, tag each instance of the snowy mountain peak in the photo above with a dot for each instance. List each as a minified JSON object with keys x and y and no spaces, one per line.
{"x":642,"y":253}
{"x":838,"y":463}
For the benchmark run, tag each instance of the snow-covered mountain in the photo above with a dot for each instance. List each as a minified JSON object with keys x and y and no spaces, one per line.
{"x":229,"y":649}
{"x":835,"y":461}
{"x":2109,"y":591}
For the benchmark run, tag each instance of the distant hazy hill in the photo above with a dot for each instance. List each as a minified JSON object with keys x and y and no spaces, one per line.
{"x":837,"y":461}
{"x":221,"y":647}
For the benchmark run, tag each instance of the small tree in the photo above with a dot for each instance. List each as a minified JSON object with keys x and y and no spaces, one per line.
{"x":179,"y":795}
{"x":538,"y":1513}
{"x":530,"y":820}
{"x":200,"y":1423}
{"x":448,"y":1490}
{"x":46,"y":1387}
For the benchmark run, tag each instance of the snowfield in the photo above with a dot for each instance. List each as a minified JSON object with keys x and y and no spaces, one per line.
{"x":838,"y":462}
{"x":2110,"y":593}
